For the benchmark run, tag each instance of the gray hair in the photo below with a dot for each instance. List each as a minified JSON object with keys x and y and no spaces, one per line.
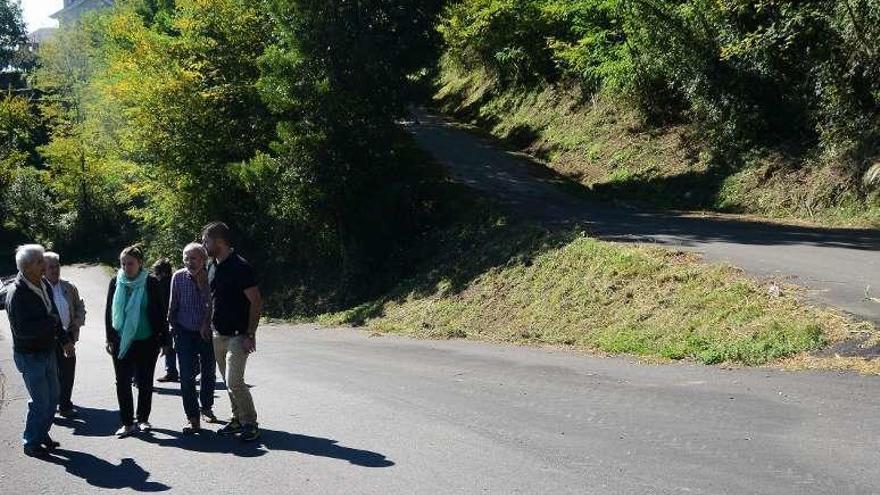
{"x":195,"y":246}
{"x":52,"y":255}
{"x":27,"y":254}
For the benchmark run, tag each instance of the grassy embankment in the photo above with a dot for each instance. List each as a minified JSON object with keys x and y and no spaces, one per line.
{"x":482,"y":277}
{"x":608,"y":149}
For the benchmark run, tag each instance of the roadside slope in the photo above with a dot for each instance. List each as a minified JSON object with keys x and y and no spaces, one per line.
{"x":837,"y":266}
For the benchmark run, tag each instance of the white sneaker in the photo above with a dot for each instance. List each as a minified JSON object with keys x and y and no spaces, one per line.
{"x":126,"y":431}
{"x":144,"y":426}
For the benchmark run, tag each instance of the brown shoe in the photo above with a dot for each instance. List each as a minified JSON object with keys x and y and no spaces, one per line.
{"x":192,"y":426}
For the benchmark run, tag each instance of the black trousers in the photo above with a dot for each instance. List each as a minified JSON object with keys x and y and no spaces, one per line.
{"x":66,"y":370}
{"x":139,"y":363}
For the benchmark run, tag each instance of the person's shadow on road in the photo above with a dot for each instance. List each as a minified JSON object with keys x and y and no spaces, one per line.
{"x":102,"y":474}
{"x":210,"y":442}
{"x":91,"y":422}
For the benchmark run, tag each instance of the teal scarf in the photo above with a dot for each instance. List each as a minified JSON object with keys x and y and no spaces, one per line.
{"x":127,"y":314}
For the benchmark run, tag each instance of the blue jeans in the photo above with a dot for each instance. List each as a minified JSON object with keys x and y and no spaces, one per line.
{"x":194,"y":352}
{"x":40,"y":373}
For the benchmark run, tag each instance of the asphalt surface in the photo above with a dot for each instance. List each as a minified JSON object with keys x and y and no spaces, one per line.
{"x":346,"y":412}
{"x":836,"y":265}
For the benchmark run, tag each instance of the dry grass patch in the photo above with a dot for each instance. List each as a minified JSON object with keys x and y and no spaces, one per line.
{"x":570,"y":290}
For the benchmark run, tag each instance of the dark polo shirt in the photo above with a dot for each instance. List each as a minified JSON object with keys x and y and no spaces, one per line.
{"x":228,"y":281}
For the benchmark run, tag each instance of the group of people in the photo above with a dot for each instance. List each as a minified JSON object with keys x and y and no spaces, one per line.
{"x":205,"y":314}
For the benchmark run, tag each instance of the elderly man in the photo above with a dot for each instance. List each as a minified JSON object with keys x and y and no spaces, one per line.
{"x":72,"y":311}
{"x":189,"y":313}
{"x":236,"y":303}
{"x":36,"y":331}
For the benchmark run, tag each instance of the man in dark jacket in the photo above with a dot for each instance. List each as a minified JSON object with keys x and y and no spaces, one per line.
{"x":36,"y":331}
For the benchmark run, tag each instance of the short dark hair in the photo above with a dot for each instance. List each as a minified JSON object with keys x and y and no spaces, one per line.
{"x":134,"y":251}
{"x":162,"y":268}
{"x":216,"y":231}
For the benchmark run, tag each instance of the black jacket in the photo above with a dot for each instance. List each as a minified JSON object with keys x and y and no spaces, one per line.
{"x":33,"y":329}
{"x":157,"y":313}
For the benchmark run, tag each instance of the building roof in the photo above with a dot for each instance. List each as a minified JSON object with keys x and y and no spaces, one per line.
{"x":76,"y":4}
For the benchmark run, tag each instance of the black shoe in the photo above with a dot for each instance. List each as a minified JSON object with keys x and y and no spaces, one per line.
{"x":126,"y":431}
{"x":35,"y":451}
{"x":50,"y":444}
{"x":209,"y":416}
{"x":232,"y":428}
{"x":169,"y":377}
{"x":67,"y":413}
{"x":249,"y":433}
{"x":192,"y":427}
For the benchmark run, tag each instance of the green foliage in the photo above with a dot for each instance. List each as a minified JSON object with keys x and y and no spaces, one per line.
{"x":588,"y":43}
{"x":28,"y":206}
{"x":183,"y":81}
{"x":528,"y":42}
{"x":20,"y":184}
{"x":277,"y":117}
{"x":13,"y":32}
{"x":802,"y":78}
{"x":337,"y":79}
{"x":18,"y":130}
{"x":80,"y":156}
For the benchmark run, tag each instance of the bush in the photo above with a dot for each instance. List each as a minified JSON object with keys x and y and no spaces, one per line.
{"x":29,"y":206}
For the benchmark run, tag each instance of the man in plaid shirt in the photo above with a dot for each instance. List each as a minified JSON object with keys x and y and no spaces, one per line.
{"x":189,"y":313}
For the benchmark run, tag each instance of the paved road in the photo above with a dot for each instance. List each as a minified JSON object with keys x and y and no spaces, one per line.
{"x":347,"y":413}
{"x":836,"y":264}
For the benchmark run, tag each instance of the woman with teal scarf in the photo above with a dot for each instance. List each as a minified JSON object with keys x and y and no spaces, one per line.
{"x":136,"y":330}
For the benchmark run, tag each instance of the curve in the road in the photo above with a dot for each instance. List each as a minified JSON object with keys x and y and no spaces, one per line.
{"x":839,"y":266}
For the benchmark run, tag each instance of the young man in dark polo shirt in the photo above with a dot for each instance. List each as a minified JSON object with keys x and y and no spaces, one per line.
{"x":236,"y":312}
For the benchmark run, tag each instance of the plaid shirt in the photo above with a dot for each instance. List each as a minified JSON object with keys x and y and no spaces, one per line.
{"x":189,"y":305}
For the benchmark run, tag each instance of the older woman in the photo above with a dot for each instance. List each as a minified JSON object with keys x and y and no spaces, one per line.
{"x":136,"y":330}
{"x":36,"y":331}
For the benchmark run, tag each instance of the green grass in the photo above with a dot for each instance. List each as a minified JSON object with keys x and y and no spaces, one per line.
{"x":614,"y":155}
{"x":496,"y":281}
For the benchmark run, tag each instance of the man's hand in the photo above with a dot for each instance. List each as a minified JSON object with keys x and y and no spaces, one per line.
{"x":205,"y":332}
{"x":249,"y":344}
{"x":111,"y":348}
{"x":69,"y":350}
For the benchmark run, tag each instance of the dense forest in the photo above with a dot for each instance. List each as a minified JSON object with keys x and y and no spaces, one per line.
{"x":149,"y":119}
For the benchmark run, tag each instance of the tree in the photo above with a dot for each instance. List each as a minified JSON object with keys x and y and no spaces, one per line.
{"x":79,"y":148}
{"x":192,"y":114}
{"x":338,"y":78}
{"x":13,"y":33}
